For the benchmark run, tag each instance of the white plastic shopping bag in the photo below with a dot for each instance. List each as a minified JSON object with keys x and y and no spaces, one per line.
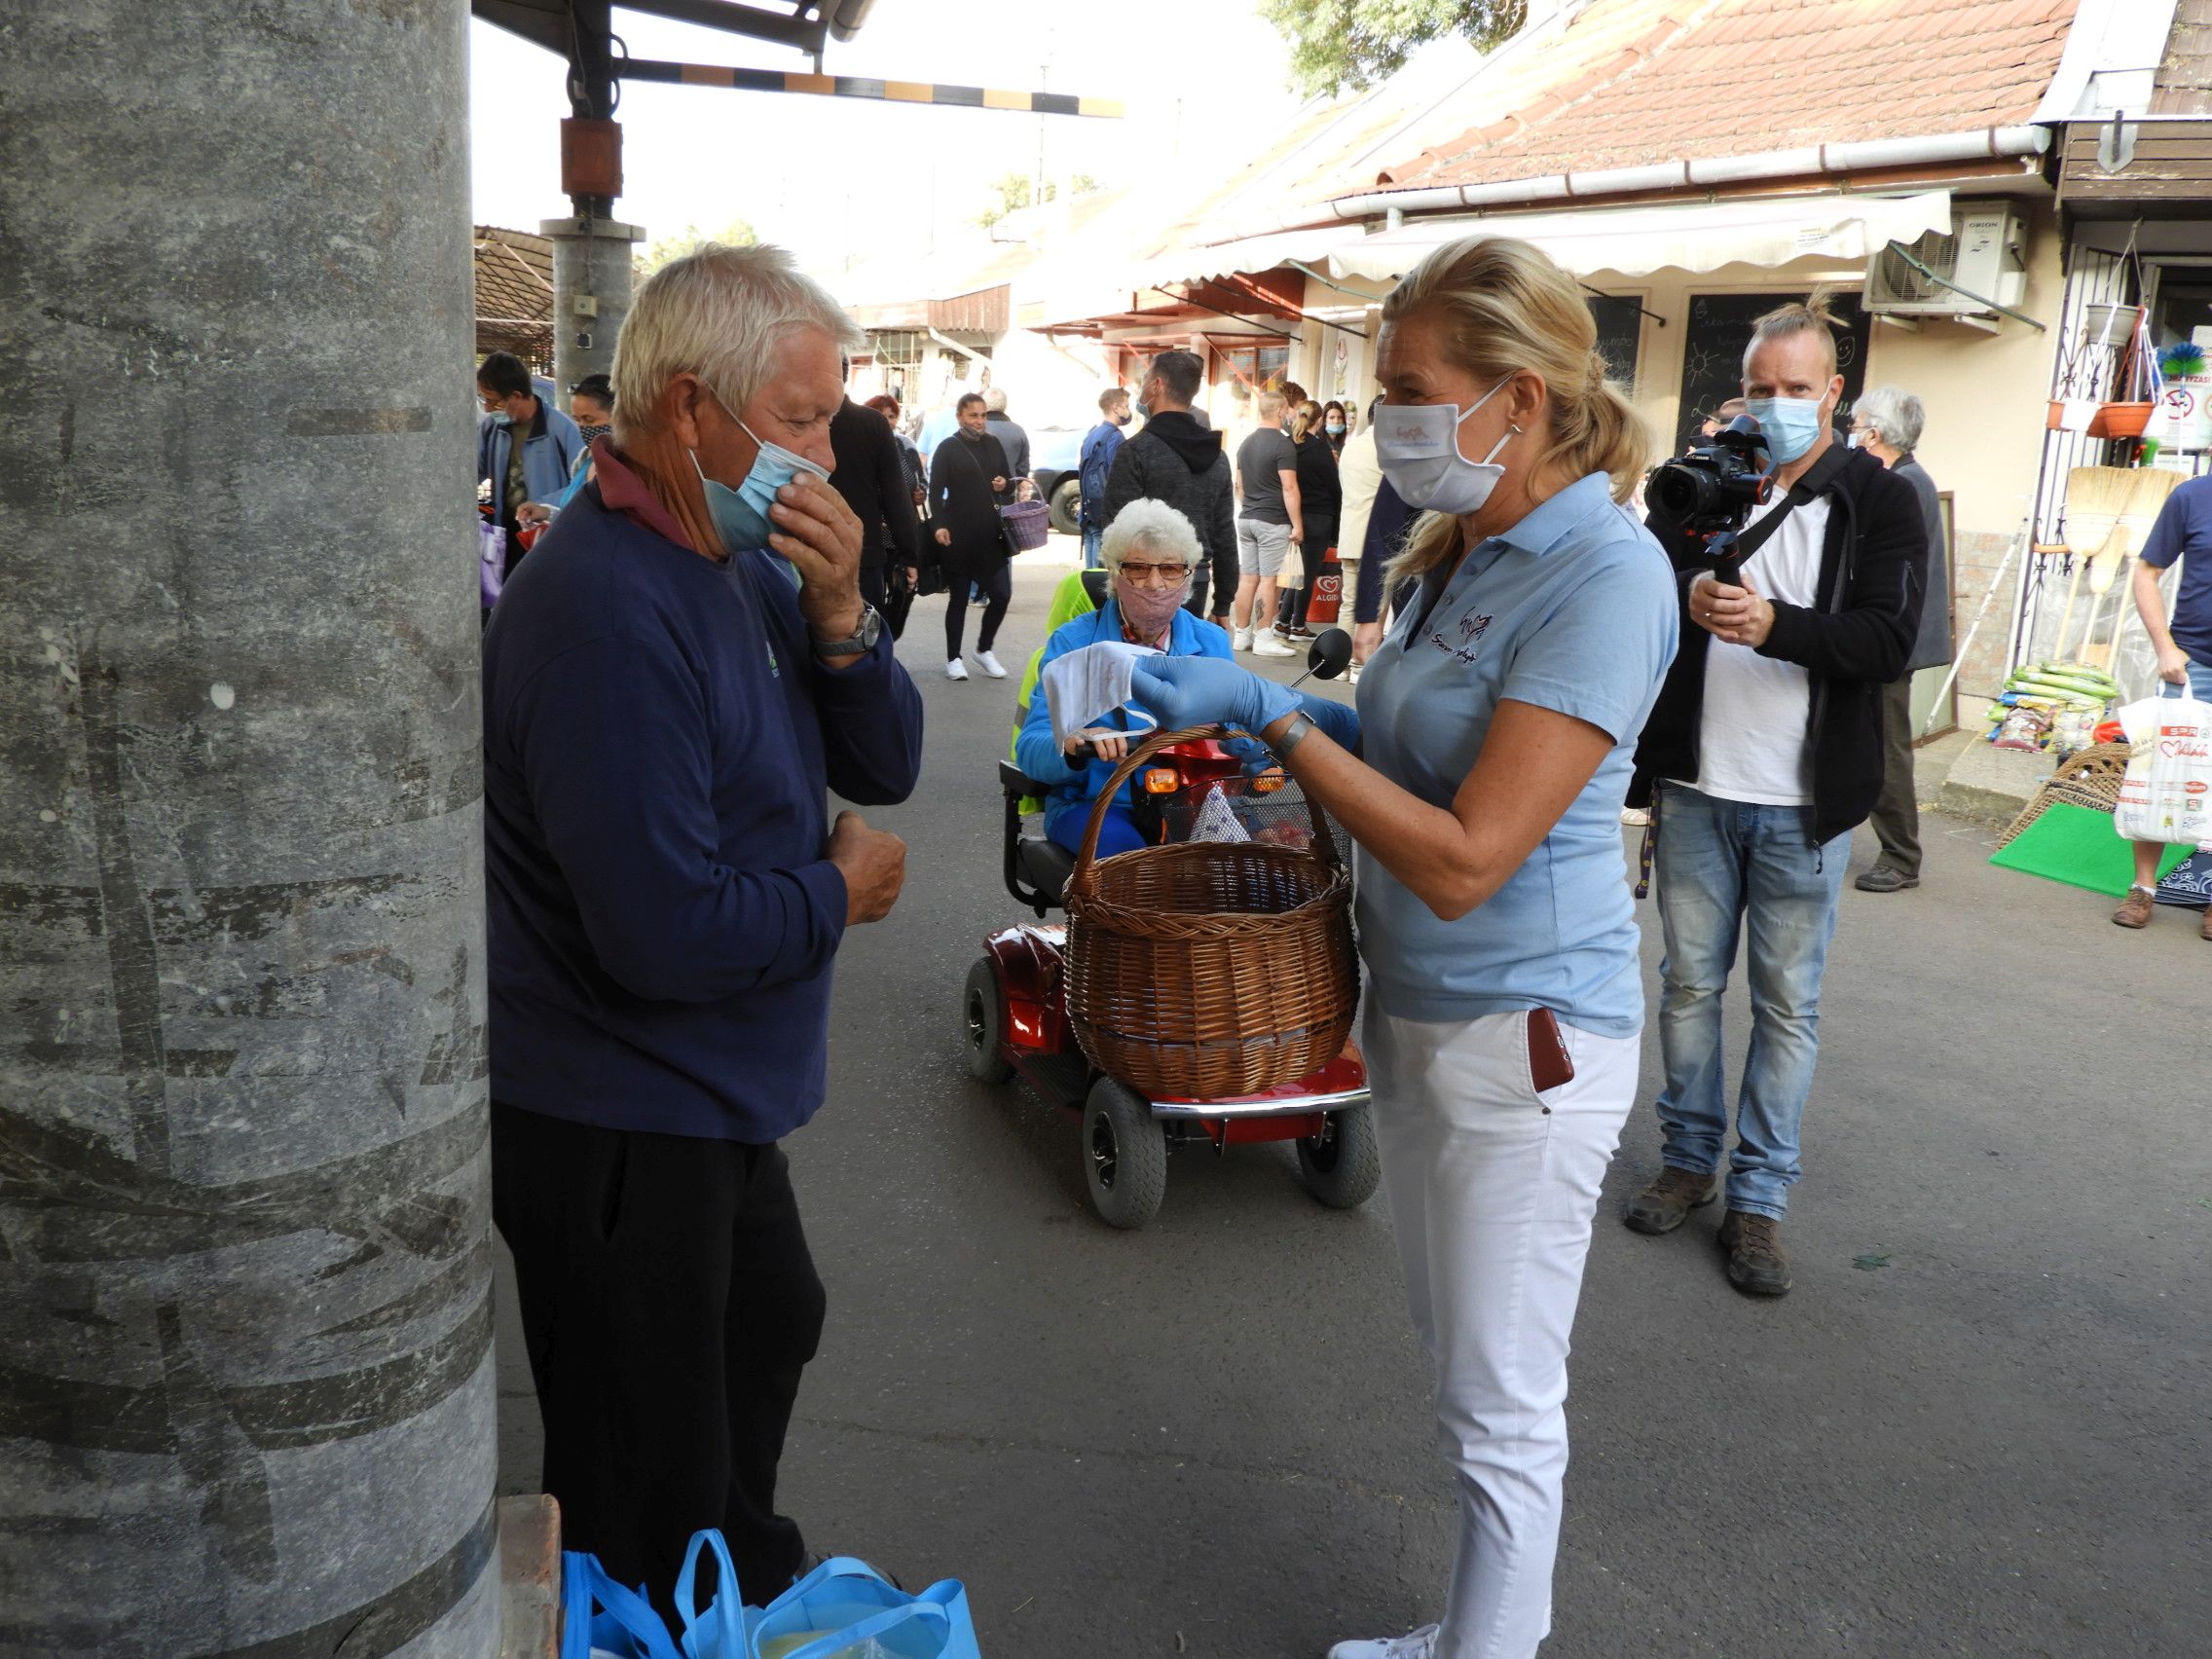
{"x":2166,"y":794}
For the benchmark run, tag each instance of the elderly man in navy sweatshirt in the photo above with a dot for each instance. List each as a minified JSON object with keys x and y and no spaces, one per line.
{"x":672,"y":683}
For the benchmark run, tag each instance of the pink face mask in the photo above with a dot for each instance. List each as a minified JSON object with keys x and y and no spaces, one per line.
{"x":1150,"y":609}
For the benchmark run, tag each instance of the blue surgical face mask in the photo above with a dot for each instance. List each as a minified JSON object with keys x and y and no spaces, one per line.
{"x":740,"y":515}
{"x":1791,"y":425}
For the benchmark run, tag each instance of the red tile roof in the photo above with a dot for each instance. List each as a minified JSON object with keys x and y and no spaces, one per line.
{"x":1633,"y":81}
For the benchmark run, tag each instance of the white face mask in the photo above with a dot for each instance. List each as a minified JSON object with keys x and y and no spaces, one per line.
{"x":1419,"y":447}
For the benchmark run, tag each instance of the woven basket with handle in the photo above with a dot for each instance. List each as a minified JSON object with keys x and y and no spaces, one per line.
{"x":1204,"y":970}
{"x":2088,"y":777}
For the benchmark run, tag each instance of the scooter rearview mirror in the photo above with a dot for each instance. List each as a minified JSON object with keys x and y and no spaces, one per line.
{"x":1328,"y":656}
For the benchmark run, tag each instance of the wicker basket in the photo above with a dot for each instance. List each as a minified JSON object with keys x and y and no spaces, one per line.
{"x":1028,"y":525}
{"x":1206,"y":970}
{"x":2088,"y":777}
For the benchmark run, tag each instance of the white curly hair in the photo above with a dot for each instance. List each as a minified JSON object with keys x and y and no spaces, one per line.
{"x":1150,"y":526}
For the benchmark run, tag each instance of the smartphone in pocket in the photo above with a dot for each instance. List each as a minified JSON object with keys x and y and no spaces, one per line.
{"x":1549,"y":1063}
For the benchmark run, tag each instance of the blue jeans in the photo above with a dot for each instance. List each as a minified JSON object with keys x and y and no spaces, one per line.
{"x":1725,"y":869}
{"x":1093,"y":558}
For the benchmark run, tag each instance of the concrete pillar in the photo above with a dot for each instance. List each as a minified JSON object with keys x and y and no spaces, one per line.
{"x":591,"y":294}
{"x":246,"y":1383}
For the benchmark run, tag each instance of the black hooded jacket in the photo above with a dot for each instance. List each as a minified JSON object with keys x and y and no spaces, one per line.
{"x":1176,"y":460}
{"x":1853,"y":642}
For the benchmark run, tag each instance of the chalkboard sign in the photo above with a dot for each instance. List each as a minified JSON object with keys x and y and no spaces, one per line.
{"x":1719,"y":327}
{"x":1620,"y":329}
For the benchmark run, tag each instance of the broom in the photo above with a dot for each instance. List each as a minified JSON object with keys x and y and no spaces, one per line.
{"x":2148,"y":490}
{"x":2097,"y":497}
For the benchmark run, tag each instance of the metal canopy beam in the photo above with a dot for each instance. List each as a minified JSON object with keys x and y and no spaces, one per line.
{"x":794,"y":28}
{"x":806,"y":26}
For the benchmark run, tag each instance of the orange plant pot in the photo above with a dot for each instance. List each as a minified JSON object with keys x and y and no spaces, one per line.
{"x":2121,"y":421}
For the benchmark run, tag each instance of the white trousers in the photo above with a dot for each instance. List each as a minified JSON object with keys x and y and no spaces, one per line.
{"x":1492,"y":1189}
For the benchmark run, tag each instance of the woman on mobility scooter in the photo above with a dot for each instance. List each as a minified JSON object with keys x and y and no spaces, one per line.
{"x":1150,"y":552}
{"x":1497,"y":721}
{"x":1013,"y":1006}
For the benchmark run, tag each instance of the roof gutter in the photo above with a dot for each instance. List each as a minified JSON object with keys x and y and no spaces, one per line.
{"x":1981,"y":144}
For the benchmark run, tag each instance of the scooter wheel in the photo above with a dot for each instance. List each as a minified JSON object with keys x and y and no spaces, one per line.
{"x":1341,"y":1165}
{"x":982,"y":1024}
{"x":1124,"y":1155}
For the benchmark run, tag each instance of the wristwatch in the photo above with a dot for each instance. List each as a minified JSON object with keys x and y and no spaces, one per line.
{"x":1292,"y":736}
{"x":861,"y":643}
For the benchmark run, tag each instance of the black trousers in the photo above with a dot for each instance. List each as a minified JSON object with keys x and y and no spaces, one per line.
{"x":997,"y":587}
{"x":1897,"y":813}
{"x":669,"y":1305}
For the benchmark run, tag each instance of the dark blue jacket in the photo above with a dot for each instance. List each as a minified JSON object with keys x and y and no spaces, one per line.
{"x":549,"y":451}
{"x":1101,"y":444}
{"x":657,"y":740}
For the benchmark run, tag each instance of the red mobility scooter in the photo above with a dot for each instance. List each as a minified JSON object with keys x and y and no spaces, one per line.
{"x":1015,"y":1017}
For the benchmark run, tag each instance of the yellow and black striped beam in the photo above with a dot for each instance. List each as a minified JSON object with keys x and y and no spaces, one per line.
{"x":860,"y":86}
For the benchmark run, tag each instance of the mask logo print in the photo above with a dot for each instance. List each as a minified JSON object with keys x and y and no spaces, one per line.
{"x":1472,"y":628}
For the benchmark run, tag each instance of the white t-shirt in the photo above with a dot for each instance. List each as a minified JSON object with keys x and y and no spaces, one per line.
{"x":1752,"y":731}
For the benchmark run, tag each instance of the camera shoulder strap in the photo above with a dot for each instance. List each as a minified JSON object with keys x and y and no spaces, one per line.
{"x":1817,"y":478}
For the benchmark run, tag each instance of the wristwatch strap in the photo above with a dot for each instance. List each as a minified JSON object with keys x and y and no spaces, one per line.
{"x":858,"y":642}
{"x":1293,"y":735}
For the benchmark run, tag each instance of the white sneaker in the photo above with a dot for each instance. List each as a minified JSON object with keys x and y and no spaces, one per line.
{"x":990,"y":665}
{"x":1416,"y":1644}
{"x":956,"y":670}
{"x":1241,"y":639}
{"x":1272,"y":643}
{"x":1352,"y":678}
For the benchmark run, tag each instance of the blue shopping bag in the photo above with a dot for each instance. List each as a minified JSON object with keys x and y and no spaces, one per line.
{"x":720,"y":1633}
{"x":599,"y":1617}
{"x":849,"y":1603}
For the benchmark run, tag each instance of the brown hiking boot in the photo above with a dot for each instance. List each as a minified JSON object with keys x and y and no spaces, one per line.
{"x":1667,"y":1203}
{"x":2135,"y":909}
{"x":1756,"y":1266}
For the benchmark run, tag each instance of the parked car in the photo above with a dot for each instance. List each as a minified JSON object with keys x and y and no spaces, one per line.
{"x":1056,"y":462}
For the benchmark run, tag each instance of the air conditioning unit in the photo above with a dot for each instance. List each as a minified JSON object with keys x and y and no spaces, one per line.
{"x":1984,"y":254}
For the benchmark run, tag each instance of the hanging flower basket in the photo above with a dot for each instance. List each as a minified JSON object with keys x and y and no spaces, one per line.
{"x":2121,"y":421}
{"x":2136,"y":389}
{"x":2108,"y":324}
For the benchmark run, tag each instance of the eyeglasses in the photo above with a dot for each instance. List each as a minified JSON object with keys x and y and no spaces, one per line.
{"x":1157,"y":575}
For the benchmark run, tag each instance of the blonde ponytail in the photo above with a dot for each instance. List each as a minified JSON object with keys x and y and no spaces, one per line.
{"x":1506,"y":307}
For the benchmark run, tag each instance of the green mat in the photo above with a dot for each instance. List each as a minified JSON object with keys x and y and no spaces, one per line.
{"x":2076,"y":845}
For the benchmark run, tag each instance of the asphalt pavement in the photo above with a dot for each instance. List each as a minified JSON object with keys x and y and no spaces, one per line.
{"x":1978,"y":1426}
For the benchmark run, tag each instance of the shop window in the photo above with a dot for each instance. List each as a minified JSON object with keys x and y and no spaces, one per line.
{"x":1620,"y":330}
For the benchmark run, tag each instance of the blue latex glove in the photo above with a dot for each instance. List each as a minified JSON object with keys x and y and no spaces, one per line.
{"x":1195,"y":692}
{"x":1341,"y":720}
{"x":1256,"y":755}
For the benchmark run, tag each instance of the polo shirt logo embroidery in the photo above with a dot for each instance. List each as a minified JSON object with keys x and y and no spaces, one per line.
{"x":1471,"y":631}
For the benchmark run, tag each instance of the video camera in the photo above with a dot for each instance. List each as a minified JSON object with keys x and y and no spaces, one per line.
{"x":1709,"y":492}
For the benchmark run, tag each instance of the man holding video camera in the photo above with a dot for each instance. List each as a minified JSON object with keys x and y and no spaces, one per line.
{"x":1762,"y":754}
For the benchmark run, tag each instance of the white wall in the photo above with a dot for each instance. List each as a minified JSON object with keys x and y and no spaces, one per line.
{"x":1051,"y":382}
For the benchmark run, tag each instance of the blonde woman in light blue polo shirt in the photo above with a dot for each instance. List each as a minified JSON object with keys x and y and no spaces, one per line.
{"x":1483,"y":786}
